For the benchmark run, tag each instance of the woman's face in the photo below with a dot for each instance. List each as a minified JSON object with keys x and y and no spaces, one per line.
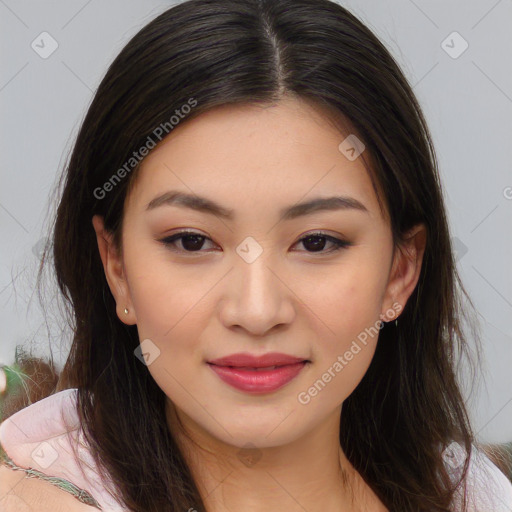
{"x":255,"y":284}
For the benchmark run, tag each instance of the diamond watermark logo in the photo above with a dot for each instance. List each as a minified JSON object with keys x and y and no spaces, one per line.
{"x":147,"y":352}
{"x":44,"y":455}
{"x":352,"y":147}
{"x":44,"y":45}
{"x":249,"y":454}
{"x":454,"y":45}
{"x":454,"y":455}
{"x":249,"y":250}
{"x":459,"y":248}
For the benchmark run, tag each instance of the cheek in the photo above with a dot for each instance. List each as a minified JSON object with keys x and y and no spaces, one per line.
{"x":170,"y":314}
{"x":166,"y":297}
{"x":347,"y":309}
{"x":349,"y":299}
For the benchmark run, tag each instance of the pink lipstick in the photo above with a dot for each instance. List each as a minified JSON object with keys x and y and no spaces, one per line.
{"x":257,"y":374}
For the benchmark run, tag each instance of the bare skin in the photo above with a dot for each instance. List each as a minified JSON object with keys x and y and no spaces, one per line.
{"x":194,"y":306}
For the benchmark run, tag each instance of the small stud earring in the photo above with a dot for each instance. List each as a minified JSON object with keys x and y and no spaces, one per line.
{"x":125,"y":311}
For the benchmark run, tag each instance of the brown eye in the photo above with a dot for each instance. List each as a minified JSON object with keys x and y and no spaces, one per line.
{"x":190,"y":241}
{"x":316,"y":242}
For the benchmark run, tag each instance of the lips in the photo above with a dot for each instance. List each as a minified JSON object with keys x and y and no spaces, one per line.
{"x":257,"y":374}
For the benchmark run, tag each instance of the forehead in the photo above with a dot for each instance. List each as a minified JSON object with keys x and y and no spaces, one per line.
{"x":252,"y":156}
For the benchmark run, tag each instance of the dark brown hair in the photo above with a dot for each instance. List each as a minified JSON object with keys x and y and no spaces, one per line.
{"x":408,"y":406}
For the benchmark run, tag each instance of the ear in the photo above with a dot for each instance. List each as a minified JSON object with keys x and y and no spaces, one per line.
{"x":114,"y":272}
{"x":405,"y":271}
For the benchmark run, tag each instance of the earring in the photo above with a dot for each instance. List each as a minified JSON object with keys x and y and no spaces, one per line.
{"x":396,"y":319}
{"x":125,"y":311}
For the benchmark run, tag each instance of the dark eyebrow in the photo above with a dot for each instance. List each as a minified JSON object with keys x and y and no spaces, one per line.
{"x":202,"y":204}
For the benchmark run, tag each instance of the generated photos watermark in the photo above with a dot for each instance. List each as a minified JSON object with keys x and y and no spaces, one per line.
{"x":158,"y":134}
{"x":304,"y":397}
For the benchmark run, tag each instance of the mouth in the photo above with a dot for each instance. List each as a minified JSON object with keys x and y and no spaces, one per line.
{"x":258,"y":379}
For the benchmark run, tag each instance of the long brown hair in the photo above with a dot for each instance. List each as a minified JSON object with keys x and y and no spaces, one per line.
{"x":408,"y":406}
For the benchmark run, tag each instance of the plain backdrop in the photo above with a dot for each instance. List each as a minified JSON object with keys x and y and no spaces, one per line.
{"x":456,"y":54}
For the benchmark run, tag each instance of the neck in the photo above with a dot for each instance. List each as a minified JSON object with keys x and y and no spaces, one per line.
{"x":310,"y":473}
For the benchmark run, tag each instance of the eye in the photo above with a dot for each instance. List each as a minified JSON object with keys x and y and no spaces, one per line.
{"x":317,"y":242}
{"x":190,"y":241}
{"x":193,"y":242}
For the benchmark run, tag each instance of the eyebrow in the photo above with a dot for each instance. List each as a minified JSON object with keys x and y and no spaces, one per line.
{"x":205,"y":205}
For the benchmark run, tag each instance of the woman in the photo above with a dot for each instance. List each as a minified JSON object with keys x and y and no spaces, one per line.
{"x":254,"y":186}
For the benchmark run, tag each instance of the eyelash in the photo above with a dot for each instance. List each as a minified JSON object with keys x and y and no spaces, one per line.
{"x":338,"y":243}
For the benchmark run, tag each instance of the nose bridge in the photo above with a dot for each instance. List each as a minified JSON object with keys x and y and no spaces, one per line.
{"x":259,"y":299}
{"x":259,"y":284}
{"x":253,"y":262}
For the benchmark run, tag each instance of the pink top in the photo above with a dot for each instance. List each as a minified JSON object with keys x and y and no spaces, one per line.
{"x":45,"y":436}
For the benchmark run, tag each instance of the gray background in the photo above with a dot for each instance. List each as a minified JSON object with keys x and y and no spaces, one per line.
{"x":466,"y":96}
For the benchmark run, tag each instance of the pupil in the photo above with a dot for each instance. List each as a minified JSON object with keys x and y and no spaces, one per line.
{"x":317,"y":246}
{"x":197,"y":242}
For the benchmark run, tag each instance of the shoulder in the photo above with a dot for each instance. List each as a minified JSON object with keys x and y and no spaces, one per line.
{"x":41,"y":435}
{"x":18,"y":493}
{"x":46,"y":441}
{"x":487,"y":487}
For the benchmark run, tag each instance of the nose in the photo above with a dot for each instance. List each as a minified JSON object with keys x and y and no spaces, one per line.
{"x":257,"y":297}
